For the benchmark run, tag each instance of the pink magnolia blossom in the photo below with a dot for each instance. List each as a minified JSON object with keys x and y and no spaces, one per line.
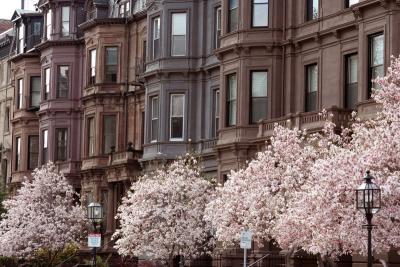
{"x":41,"y":216}
{"x":162,"y":215}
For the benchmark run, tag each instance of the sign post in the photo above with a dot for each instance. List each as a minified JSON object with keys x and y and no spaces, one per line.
{"x":94,"y":241}
{"x":245,"y":244}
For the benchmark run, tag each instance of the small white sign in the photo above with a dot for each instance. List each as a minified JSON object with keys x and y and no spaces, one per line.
{"x":245,"y":239}
{"x":94,"y":240}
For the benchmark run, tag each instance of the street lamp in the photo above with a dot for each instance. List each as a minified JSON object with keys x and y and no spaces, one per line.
{"x":368,"y":201}
{"x":95,"y":215}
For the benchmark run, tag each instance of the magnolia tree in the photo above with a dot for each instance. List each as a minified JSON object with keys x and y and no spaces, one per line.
{"x":41,"y":217}
{"x":306,"y":198}
{"x":323,"y":215}
{"x":253,"y":198}
{"x":162,"y":215}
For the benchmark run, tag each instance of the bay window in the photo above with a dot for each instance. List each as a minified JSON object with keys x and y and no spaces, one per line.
{"x":178,"y":45}
{"x":259,"y":95}
{"x":177,"y":117}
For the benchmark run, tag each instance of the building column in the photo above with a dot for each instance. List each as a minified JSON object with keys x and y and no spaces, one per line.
{"x":110,"y":209}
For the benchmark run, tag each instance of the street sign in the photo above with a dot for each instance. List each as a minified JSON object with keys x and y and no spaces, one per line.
{"x":245,"y":239}
{"x":94,"y":240}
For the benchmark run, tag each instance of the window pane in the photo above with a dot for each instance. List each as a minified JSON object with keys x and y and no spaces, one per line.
{"x":217,"y":27}
{"x":232,"y":87}
{"x":231,"y":101}
{"x":259,"y":108}
{"x":233,"y":20}
{"x":109,"y":133}
{"x":177,"y":111}
{"x":177,"y":105}
{"x":20,"y":93}
{"x":45,"y":154}
{"x":7,"y":120}
{"x":65,"y":20}
{"x":352,"y":69}
{"x":351,"y":92}
{"x":312,"y":78}
{"x":33,"y":148}
{"x":91,"y":136}
{"x":260,"y":13}
{"x":17,"y":152}
{"x":377,"y":50}
{"x":61,"y":138}
{"x":35,"y":91}
{"x":176,"y":127}
{"x":179,"y":45}
{"x":315,"y":9}
{"x":259,"y":84}
{"x":48,"y":24}
{"x":154,"y":118}
{"x":216,"y":113}
{"x":92,"y":67}
{"x":111,"y":64}
{"x":63,"y":82}
{"x":179,"y":24}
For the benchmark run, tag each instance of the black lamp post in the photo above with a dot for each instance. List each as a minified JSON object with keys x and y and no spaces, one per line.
{"x":368,"y":201}
{"x":95,"y":215}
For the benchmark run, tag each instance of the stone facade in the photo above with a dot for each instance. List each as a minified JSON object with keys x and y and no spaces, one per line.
{"x":127,"y":85}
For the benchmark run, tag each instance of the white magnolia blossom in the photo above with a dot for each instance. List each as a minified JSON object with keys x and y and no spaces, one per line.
{"x":41,"y":216}
{"x":162,"y":215}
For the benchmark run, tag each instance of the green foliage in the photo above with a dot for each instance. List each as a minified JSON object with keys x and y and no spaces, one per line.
{"x":8,"y":262}
{"x":100,"y":262}
{"x":46,"y":258}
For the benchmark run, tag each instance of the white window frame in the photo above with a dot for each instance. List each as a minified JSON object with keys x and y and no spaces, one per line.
{"x":174,"y":17}
{"x":171,"y":117}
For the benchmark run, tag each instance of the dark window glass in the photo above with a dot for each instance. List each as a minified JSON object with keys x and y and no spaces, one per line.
{"x":63,"y":82}
{"x":312,"y":9}
{"x":109,"y":133}
{"x":17,"y":153}
{"x":376,"y":60}
{"x":45,"y":152}
{"x":259,"y":13}
{"x":351,"y":90}
{"x":259,"y":95}
{"x":231,"y":99}
{"x":233,"y":14}
{"x":154,"y":118}
{"x":111,"y":64}
{"x":311,"y":87}
{"x":35,"y":91}
{"x":62,"y":144}
{"x":33,"y":152}
{"x":177,"y":116}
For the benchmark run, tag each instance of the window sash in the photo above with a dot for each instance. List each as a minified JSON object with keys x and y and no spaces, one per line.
{"x":17,"y":153}
{"x":376,"y":60}
{"x":91,"y":136}
{"x":35,"y":91}
{"x":49,"y":24}
{"x":46,"y":83}
{"x":177,"y":117}
{"x":259,"y":95}
{"x":154,"y":119}
{"x":178,"y":46}
{"x":312,"y":88}
{"x":109,"y":132}
{"x":260,"y":13}
{"x":21,"y":39}
{"x":216,"y":112}
{"x":63,"y":82}
{"x":62,"y":144}
{"x":111,"y":63}
{"x":65,"y":20}
{"x":20,"y":93}
{"x":218,"y":27}
{"x":156,"y":37}
{"x":233,"y":15}
{"x":45,"y":154}
{"x":33,"y":152}
{"x":231,"y":99}
{"x":92,"y":68}
{"x":351,"y":88}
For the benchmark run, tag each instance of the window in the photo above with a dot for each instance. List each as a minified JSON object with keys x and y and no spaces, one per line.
{"x":312,"y":9}
{"x":20,"y":93}
{"x":259,"y":95}
{"x":17,"y":153}
{"x":217,"y":27}
{"x":124,"y":9}
{"x":109,"y":133}
{"x":36,"y":28}
{"x":7,"y":120}
{"x":33,"y":151}
{"x":233,"y":14}
{"x":351,"y":92}
{"x":46,"y":84}
{"x":376,"y":60}
{"x":45,"y":152}
{"x":156,"y":37}
{"x":63,"y":82}
{"x":61,"y":142}
{"x":259,"y":13}
{"x":48,"y":24}
{"x":216,"y":98}
{"x":178,"y":46}
{"x":231,"y":96}
{"x":35,"y":92}
{"x":90,"y":136}
{"x":21,"y":39}
{"x":177,"y":117}
{"x":311,"y":87}
{"x":65,"y":20}
{"x":154,"y":118}
{"x":349,"y":3}
{"x":111,"y":64}
{"x":92,"y":68}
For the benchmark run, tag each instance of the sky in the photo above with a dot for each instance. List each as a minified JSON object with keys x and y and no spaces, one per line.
{"x":7,"y":7}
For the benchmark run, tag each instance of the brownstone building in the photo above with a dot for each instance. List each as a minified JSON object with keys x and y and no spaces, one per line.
{"x":126,"y":85}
